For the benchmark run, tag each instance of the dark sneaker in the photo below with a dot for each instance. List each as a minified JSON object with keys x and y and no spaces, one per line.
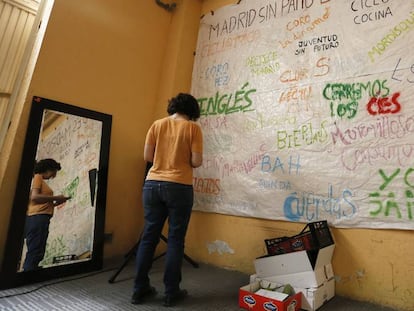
{"x":171,"y":300}
{"x":139,"y":296}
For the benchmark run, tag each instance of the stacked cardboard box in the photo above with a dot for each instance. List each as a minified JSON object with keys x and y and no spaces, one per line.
{"x":253,"y":297}
{"x":303,"y":261}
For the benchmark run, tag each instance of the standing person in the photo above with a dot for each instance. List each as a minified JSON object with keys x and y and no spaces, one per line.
{"x":40,"y":210}
{"x":174,"y":145}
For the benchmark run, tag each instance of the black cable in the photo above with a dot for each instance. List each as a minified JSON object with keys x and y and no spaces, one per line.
{"x":57,"y":282}
{"x":147,"y":168}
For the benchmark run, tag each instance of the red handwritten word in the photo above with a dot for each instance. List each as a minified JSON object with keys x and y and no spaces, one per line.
{"x":206,"y":185}
{"x":384,"y":105}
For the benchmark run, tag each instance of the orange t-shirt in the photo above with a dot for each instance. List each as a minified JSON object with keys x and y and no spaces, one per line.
{"x":174,"y":141}
{"x":43,"y":208}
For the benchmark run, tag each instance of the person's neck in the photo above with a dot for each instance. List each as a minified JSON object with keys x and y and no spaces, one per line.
{"x":179,"y":116}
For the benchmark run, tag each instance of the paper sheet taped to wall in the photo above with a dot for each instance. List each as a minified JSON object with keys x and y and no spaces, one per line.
{"x":307,"y":111}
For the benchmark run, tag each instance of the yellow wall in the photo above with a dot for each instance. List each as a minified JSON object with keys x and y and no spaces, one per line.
{"x":106,"y":56}
{"x":126,"y":58}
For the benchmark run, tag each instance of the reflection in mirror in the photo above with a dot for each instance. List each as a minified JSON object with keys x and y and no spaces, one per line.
{"x":74,"y":142}
{"x":78,"y":139}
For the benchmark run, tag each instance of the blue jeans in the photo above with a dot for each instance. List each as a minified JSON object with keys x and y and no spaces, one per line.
{"x":37,"y":231}
{"x":164,"y":200}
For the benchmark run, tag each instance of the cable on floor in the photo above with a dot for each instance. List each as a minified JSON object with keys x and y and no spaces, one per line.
{"x":58,"y":282}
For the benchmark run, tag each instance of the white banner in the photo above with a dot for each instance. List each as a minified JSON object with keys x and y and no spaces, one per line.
{"x":308,"y":112}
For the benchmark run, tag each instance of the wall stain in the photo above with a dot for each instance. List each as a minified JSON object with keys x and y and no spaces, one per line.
{"x":220,"y":247}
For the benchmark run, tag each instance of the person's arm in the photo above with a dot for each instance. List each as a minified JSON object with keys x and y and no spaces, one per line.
{"x":149,"y":151}
{"x":196,"y":159}
{"x":197,"y":148}
{"x":39,"y":198}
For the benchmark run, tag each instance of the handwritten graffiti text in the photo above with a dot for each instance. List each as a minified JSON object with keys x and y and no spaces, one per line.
{"x":384,"y":127}
{"x":243,"y":20}
{"x":263,"y":64}
{"x":270,"y":166}
{"x":391,"y":206}
{"x":344,"y":96}
{"x":391,"y":36}
{"x":399,"y":78}
{"x":384,"y":105}
{"x":312,"y":207}
{"x":219,"y":73}
{"x":400,"y":154}
{"x":322,"y":69}
{"x":304,"y":26}
{"x":275,"y":184}
{"x":240,"y":101}
{"x":305,"y":135}
{"x":206,"y":185}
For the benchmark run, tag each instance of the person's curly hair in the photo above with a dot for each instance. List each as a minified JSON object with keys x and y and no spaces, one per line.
{"x":42,"y":166}
{"x":185,"y":104}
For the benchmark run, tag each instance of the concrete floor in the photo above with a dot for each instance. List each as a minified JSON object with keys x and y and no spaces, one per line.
{"x":210,"y":288}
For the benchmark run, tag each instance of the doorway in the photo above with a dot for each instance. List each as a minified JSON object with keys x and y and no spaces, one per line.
{"x":22,"y":28}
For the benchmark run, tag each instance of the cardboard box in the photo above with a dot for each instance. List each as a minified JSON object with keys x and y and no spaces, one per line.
{"x":315,"y":235}
{"x":303,"y":269}
{"x":284,"y":245}
{"x":248,"y":299}
{"x":314,"y":298}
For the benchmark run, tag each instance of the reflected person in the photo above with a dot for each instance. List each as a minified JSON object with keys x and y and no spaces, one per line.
{"x":41,"y":207}
{"x":174,"y":145}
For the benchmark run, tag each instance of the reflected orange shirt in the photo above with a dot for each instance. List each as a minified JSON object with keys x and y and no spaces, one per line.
{"x":44,"y":208}
{"x":174,"y":141}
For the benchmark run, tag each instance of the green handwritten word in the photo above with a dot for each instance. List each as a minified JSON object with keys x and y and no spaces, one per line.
{"x":54,"y":248}
{"x":391,"y":36}
{"x":263,"y":64}
{"x":339,"y":91}
{"x":344,"y":96}
{"x":305,"y":135}
{"x":390,"y":203}
{"x":240,"y":101}
{"x":70,"y":190}
{"x":348,"y":109}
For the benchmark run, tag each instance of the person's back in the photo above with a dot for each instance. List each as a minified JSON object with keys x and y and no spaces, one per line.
{"x":175,"y":140}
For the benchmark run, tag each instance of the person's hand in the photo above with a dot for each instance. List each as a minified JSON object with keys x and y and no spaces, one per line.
{"x":60,"y":199}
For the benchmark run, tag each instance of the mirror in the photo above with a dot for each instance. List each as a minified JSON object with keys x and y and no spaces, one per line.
{"x":78,"y":139}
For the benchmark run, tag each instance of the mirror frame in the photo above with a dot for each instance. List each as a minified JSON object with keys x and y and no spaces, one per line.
{"x":9,"y":275}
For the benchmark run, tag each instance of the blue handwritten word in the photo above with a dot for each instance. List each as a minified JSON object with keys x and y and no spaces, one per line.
{"x":268,"y":166}
{"x":309,"y":205}
{"x":219,"y":73}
